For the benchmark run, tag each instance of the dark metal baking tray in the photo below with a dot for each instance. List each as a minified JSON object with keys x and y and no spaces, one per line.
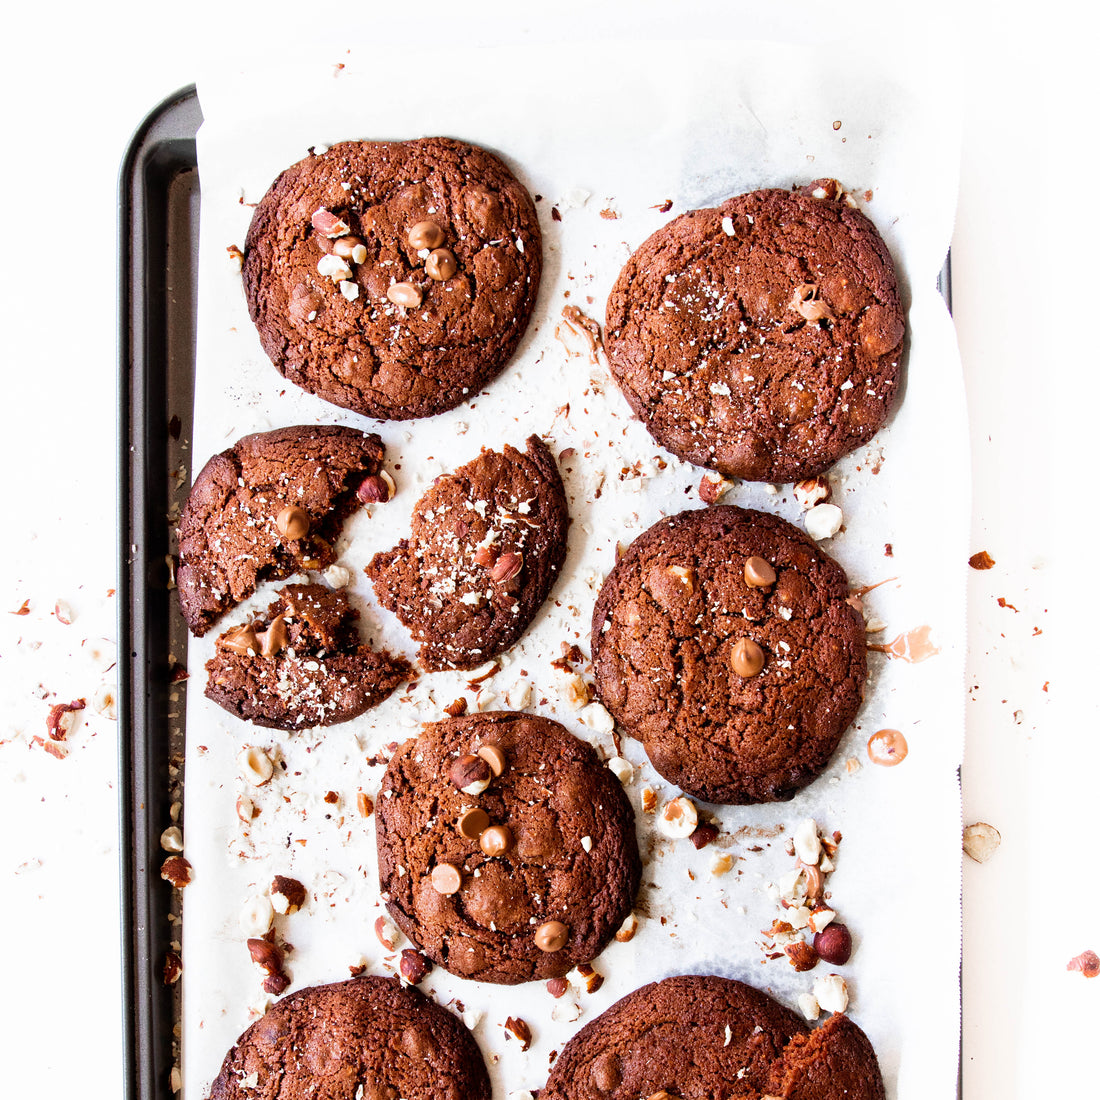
{"x":158,"y":225}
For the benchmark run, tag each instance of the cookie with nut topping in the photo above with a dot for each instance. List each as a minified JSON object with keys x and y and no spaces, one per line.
{"x":698,"y":1037}
{"x":372,"y":1038}
{"x":761,"y":338}
{"x":487,"y":544}
{"x":393,"y":278}
{"x":724,"y":640}
{"x":506,"y":850}
{"x":269,"y":506}
{"x":302,"y":664}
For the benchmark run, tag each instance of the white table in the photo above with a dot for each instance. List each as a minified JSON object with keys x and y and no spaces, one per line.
{"x":77,"y":80}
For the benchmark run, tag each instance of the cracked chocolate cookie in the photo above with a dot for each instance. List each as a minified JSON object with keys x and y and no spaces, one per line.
{"x":708,"y":1038}
{"x":393,"y":278}
{"x":724,"y":640}
{"x":364,"y":1039}
{"x":266,"y":508}
{"x":487,"y":544}
{"x":506,"y":850}
{"x":761,"y":338}
{"x":302,"y":664}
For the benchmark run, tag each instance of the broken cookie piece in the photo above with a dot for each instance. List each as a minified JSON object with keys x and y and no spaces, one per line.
{"x":302,"y":665}
{"x":270,"y":506}
{"x":487,"y":544}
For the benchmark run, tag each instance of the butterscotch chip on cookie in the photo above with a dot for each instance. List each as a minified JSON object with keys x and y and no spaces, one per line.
{"x":269,"y":506}
{"x":696,"y":1037}
{"x":506,"y":849}
{"x":761,"y":338}
{"x":366,"y":1039}
{"x":487,"y":544}
{"x":723,"y":639}
{"x":302,"y":664}
{"x":393,"y":278}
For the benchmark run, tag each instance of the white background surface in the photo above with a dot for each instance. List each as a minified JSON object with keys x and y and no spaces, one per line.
{"x":76,"y":81}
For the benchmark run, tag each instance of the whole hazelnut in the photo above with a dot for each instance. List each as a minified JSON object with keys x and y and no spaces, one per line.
{"x":414,"y":966}
{"x":470,"y":774}
{"x":834,"y":944}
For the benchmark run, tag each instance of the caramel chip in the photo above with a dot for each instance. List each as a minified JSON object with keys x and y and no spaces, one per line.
{"x":440,"y":265}
{"x":473,"y":823}
{"x":425,"y":234}
{"x":551,"y":936}
{"x":496,"y":840}
{"x":292,"y":522}
{"x":747,"y":658}
{"x":758,"y":573}
{"x":446,"y":878}
{"x":493,"y":755}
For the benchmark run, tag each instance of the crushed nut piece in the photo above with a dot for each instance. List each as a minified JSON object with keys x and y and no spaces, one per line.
{"x":980,"y":841}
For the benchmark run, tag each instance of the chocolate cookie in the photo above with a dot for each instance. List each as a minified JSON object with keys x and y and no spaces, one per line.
{"x":709,"y":1038}
{"x":506,"y":850}
{"x":393,"y":278}
{"x":302,"y":665}
{"x":487,"y":544}
{"x":364,"y":1039}
{"x":268,"y":507}
{"x":724,"y":640}
{"x":763,"y":337}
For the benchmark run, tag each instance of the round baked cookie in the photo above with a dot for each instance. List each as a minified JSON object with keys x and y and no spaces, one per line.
{"x":487,"y":544}
{"x":269,"y":506}
{"x":365,"y":1039}
{"x":763,"y":337}
{"x":697,"y":1037}
{"x":393,"y":278}
{"x":506,"y":877}
{"x":302,"y":664}
{"x":723,"y":639}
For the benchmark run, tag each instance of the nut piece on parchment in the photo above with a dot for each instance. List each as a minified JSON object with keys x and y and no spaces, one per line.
{"x":177,"y":871}
{"x":980,"y":841}
{"x":519,"y":1029}
{"x":414,"y":966}
{"x":386,"y":933}
{"x":288,"y":895}
{"x":678,"y":818}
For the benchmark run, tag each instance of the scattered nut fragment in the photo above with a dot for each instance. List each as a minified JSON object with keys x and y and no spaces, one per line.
{"x":556,"y":987}
{"x":622,"y":769}
{"x":823,"y":521}
{"x":747,"y":658}
{"x":404,"y":294}
{"x":807,"y":844}
{"x":627,"y":929}
{"x":254,"y":765}
{"x":330,"y":266}
{"x":704,"y":834}
{"x":713,"y":486}
{"x":758,"y":572}
{"x":801,"y":955}
{"x":457,"y":707}
{"x":61,"y":719}
{"x":171,"y":840}
{"x":518,"y":695}
{"x":256,"y":916}
{"x":597,"y":718}
{"x":376,"y":489}
{"x":246,"y":811}
{"x":722,"y":864}
{"x":831,"y":992}
{"x":518,"y":1028}
{"x":551,"y":936}
{"x":414,"y":966}
{"x":440,"y":265}
{"x":834,"y":944}
{"x":887,"y":747}
{"x":386,"y":933}
{"x":981,"y":560}
{"x":1088,"y":963}
{"x":177,"y":871}
{"x":236,"y":258}
{"x":326,"y":223}
{"x":493,"y":755}
{"x":576,"y":691}
{"x":364,"y":804}
{"x":337,"y":576}
{"x":484,"y":699}
{"x":470,"y":774}
{"x":105,"y":701}
{"x":506,"y":567}
{"x":815,"y":881}
{"x":292,"y":522}
{"x":288,"y":895}
{"x":173,"y":967}
{"x":446,"y":879}
{"x":589,"y":977}
{"x":63,"y":613}
{"x":808,"y":1006}
{"x":678,"y":818}
{"x":814,"y":490}
{"x":980,"y":841}
{"x":649,"y":800}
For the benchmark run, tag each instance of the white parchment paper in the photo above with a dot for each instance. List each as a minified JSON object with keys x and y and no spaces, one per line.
{"x":593,"y":129}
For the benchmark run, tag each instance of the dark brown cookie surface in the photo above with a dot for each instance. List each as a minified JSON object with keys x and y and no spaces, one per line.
{"x":269,"y":506}
{"x":393,"y":278}
{"x":740,"y":690}
{"x":487,"y":544}
{"x":302,"y":665}
{"x":364,"y":1039}
{"x":710,"y":1038}
{"x":536,"y":882}
{"x":763,"y":337}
